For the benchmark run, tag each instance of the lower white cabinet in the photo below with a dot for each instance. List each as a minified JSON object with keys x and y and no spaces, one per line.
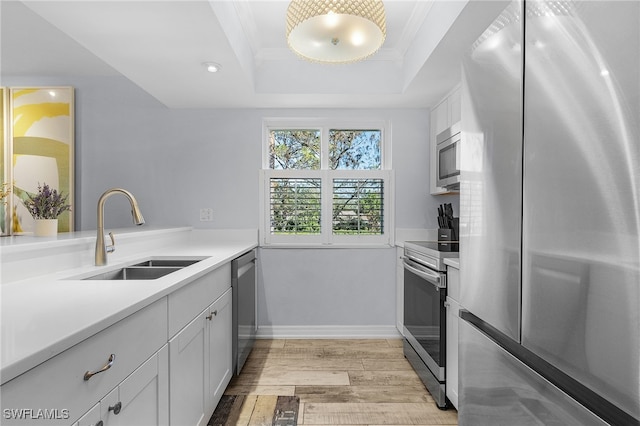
{"x":200,"y":364}
{"x":220,"y":349}
{"x":400,"y":290}
{"x":91,"y":417}
{"x":453,"y":317}
{"x":60,"y":390}
{"x":187,"y":373}
{"x":141,"y":399}
{"x":137,"y":378}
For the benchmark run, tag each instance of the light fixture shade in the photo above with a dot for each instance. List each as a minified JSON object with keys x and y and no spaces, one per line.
{"x":335,"y":31}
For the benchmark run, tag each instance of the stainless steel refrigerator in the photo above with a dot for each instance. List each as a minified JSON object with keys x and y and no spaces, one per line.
{"x":550,"y":217}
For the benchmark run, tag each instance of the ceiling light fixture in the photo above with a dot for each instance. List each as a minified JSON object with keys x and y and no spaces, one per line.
{"x":212,"y":66}
{"x":335,"y":31}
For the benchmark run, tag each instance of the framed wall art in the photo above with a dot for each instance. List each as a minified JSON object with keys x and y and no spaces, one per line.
{"x":5,"y":180}
{"x":39,"y":151}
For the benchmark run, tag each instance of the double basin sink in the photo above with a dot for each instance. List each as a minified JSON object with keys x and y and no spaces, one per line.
{"x":148,"y":270}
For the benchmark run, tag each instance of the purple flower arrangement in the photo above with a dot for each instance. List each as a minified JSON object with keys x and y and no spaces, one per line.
{"x":47,"y":203}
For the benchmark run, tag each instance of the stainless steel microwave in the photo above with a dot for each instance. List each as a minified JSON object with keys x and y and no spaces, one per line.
{"x":448,"y":158}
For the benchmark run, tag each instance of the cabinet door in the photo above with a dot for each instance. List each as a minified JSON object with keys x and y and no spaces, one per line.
{"x":188,"y":374}
{"x":59,"y":382}
{"x":399,"y":290}
{"x":453,"y":309}
{"x":441,"y":112}
{"x":220,"y":348}
{"x":455,"y":107}
{"x":142,"y":398}
{"x":90,"y":418}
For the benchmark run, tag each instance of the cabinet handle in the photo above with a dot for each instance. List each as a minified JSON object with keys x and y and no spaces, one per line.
{"x":116,"y":408}
{"x":99,"y":423}
{"x":212,"y":314}
{"x":107,"y":366}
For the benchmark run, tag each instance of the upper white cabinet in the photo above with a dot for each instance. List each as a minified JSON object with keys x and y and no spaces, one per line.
{"x":454,"y":102}
{"x":447,"y":112}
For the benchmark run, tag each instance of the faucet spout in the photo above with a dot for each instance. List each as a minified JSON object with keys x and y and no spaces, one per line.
{"x":101,"y":249}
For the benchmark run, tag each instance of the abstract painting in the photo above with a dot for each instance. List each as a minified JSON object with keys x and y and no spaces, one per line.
{"x":42,"y":150}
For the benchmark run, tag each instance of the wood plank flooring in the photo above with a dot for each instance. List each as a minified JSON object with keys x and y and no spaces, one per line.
{"x":341,"y":382}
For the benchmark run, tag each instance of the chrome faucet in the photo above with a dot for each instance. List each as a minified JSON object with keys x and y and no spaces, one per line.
{"x":101,"y":249}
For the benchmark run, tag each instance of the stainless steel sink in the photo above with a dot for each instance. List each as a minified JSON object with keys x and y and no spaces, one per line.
{"x":135,"y":273}
{"x":150,"y":269}
{"x":181,"y":263}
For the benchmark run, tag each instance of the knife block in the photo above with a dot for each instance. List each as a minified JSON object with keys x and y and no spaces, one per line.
{"x":445,"y":234}
{"x":450,"y":234}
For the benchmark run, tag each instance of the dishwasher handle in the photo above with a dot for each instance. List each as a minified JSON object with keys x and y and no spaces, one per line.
{"x":246,"y":268}
{"x":243,"y":264}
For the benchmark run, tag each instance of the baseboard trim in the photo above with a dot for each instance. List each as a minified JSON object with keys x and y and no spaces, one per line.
{"x":328,"y":332}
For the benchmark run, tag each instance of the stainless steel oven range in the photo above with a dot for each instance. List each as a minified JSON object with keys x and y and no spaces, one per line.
{"x":425,"y":292}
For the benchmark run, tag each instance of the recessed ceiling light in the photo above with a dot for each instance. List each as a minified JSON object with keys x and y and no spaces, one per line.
{"x":212,"y":66}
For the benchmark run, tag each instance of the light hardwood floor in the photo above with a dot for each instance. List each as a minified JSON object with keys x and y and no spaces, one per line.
{"x":341,"y":382}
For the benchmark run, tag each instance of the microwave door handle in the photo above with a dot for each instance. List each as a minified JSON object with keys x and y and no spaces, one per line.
{"x":433,"y":277}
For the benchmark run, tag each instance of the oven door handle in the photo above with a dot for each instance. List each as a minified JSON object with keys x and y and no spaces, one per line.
{"x":434,"y":278}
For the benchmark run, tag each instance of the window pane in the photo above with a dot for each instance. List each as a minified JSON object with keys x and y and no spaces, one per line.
{"x":295,"y":206}
{"x":358,"y":206}
{"x":294,"y":149}
{"x":355,"y":149}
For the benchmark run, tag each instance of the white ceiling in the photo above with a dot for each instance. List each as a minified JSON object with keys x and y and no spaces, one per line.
{"x":161,"y":46}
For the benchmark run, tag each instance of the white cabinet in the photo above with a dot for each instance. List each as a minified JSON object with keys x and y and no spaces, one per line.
{"x":453,"y":310}
{"x":91,"y":417}
{"x":200,"y":364}
{"x":59,"y":383}
{"x":446,"y":113}
{"x":399,"y":290}
{"x":441,"y":113}
{"x":220,"y":349}
{"x":139,"y":375}
{"x":190,"y":300}
{"x":454,"y":107}
{"x":141,"y":399}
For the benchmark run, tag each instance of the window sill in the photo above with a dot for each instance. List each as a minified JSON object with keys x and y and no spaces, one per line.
{"x":327,"y":246}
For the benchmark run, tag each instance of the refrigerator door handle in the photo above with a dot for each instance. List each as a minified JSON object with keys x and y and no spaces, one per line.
{"x":434,"y":278}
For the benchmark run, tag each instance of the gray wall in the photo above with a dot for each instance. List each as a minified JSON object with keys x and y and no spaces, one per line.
{"x":178,"y":161}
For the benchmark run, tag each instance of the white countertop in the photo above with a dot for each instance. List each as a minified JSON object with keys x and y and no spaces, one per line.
{"x":45,"y":315}
{"x":453,"y":262}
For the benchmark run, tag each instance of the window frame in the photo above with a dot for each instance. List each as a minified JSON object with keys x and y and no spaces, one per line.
{"x":327,"y":238}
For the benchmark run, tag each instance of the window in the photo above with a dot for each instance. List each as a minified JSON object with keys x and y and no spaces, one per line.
{"x":325,"y":183}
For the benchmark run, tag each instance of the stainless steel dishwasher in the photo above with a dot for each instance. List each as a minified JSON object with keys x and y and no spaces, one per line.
{"x":243,"y":282}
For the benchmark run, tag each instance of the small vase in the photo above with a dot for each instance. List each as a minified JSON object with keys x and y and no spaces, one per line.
{"x":46,"y":228}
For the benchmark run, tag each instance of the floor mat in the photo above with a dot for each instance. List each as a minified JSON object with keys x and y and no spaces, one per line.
{"x":256,"y":410}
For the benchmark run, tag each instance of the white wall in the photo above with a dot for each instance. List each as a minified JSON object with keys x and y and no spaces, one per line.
{"x":178,"y":161}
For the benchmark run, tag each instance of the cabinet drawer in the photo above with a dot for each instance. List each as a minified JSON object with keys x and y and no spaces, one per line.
{"x":186,"y":303}
{"x":58,"y":384}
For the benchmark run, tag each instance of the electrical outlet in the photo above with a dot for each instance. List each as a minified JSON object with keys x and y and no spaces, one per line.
{"x":206,"y":215}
